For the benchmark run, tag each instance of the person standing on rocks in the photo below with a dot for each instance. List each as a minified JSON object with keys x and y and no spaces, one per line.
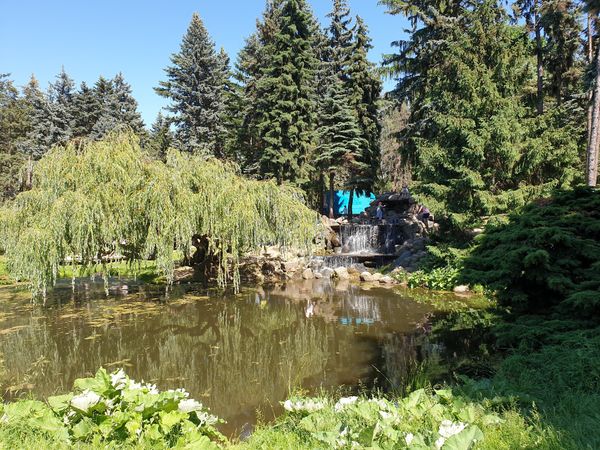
{"x":379,"y":212}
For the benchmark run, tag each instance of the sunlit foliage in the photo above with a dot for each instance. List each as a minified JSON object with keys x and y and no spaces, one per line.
{"x":104,"y":198}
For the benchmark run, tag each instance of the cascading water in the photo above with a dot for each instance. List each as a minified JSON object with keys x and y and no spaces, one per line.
{"x":369,"y":239}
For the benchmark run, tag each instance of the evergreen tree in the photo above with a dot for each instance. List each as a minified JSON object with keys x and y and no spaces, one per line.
{"x":195,"y":88}
{"x":469,"y":140}
{"x":160,"y":139}
{"x":14,"y":122}
{"x":86,"y":109}
{"x":285,"y":97}
{"x":117,"y":107}
{"x":365,"y":88}
{"x":46,"y":127}
{"x":340,"y":137}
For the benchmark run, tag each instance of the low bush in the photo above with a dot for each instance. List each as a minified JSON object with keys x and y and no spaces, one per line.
{"x":546,"y":258}
{"x":110,"y":410}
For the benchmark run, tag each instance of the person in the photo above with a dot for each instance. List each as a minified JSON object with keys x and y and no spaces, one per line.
{"x":344,"y":210}
{"x":405,"y":193}
{"x":379,"y":212}
{"x":425,"y":213}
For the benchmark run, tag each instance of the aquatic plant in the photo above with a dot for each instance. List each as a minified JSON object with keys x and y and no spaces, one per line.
{"x":92,"y":200}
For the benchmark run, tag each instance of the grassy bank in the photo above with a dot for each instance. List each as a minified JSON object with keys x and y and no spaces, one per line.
{"x":144,"y":271}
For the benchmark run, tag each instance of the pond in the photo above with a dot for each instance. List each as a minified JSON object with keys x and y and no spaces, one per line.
{"x":238,"y":354}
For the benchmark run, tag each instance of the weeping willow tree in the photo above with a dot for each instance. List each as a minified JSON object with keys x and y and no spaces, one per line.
{"x":95,"y":199}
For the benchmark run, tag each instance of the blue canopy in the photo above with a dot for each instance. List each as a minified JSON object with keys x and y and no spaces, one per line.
{"x":341,"y":199}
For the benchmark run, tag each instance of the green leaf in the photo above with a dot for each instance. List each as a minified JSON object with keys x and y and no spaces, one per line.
{"x":170,"y":419}
{"x":464,"y":440}
{"x":60,"y":402}
{"x":82,"y":429}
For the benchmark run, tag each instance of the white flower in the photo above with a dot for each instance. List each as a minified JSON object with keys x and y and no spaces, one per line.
{"x":118,"y":380}
{"x":85,"y":401}
{"x":187,"y":406}
{"x":135,"y":386}
{"x":152,"y":389}
{"x":440,"y":443}
{"x":4,"y":419}
{"x":343,"y":402}
{"x":409,"y":438}
{"x":206,"y":419}
{"x":309,"y":405}
{"x":288,"y":405}
{"x":448,"y":429}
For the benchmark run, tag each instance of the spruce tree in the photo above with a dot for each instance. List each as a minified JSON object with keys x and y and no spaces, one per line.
{"x":365,"y":88}
{"x":86,"y":110}
{"x":286,"y":106}
{"x":195,"y":87}
{"x":160,"y":139}
{"x":340,"y":137}
{"x":60,"y":94}
{"x":126,"y":107}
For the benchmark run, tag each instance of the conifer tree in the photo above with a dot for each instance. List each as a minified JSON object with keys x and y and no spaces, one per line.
{"x":86,"y":109}
{"x":365,"y":88}
{"x":340,"y":137}
{"x":195,"y":87}
{"x":286,"y":105}
{"x":160,"y":139}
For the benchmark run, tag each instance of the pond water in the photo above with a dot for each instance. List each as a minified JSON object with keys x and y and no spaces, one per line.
{"x":235,"y":353}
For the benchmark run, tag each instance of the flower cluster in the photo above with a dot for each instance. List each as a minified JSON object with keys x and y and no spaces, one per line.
{"x":304,"y":405}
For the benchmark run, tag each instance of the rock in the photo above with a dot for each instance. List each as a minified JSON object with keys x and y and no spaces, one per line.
{"x":307,"y":274}
{"x":462,"y":289}
{"x":387,"y":280}
{"x":327,"y":272}
{"x":183,"y":274}
{"x":272,"y":252}
{"x":376,"y":276}
{"x":342,"y":273}
{"x":318,"y":275}
{"x":290,"y":266}
{"x":352,"y":270}
{"x":366,"y":277}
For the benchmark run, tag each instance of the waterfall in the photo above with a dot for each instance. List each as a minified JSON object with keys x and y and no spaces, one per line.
{"x":369,"y":239}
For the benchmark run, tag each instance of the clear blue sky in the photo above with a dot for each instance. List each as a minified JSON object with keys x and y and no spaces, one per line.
{"x":102,"y":37}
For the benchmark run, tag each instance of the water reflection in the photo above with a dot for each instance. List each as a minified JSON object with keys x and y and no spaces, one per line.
{"x":237,"y":353}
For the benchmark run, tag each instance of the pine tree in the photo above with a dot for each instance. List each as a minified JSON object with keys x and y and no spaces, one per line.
{"x":86,"y":109}
{"x":117,"y":107}
{"x":46,"y":127}
{"x":195,"y":88}
{"x":60,"y":95}
{"x":340,"y":137}
{"x":160,"y":139}
{"x":285,"y":93}
{"x":14,"y":122}
{"x":365,"y":88}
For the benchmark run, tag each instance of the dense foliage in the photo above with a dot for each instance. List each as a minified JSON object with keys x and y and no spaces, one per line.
{"x":108,"y":197}
{"x":111,"y":409}
{"x":475,"y":142}
{"x":546,"y":258}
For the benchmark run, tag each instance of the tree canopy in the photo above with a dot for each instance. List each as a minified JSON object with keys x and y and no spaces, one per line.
{"x":94,"y":199}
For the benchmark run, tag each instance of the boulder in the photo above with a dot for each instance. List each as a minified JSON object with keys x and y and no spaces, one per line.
{"x":307,"y":274}
{"x":342,"y":273}
{"x":387,"y":280}
{"x":290,"y":266}
{"x":377,"y":276}
{"x":352,"y":270}
{"x":272,"y":252}
{"x":462,"y":289}
{"x":366,"y":277}
{"x":318,"y":275}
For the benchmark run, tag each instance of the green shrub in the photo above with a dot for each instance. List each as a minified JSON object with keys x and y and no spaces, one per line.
{"x":113,"y":409}
{"x":440,"y":279}
{"x":546,"y":258}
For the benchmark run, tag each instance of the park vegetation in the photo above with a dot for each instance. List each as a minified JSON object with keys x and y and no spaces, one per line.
{"x":495,"y":124}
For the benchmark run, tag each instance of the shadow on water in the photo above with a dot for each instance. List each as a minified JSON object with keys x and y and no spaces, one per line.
{"x":236,"y":353}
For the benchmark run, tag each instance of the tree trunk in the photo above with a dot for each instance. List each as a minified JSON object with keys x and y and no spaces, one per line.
{"x":592,"y":150}
{"x":322,"y":193}
{"x":590,"y":60}
{"x":350,"y":203}
{"x":331,"y":194}
{"x":540,"y":64}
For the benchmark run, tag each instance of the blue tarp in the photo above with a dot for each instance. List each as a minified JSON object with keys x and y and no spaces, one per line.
{"x":341,"y":198}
